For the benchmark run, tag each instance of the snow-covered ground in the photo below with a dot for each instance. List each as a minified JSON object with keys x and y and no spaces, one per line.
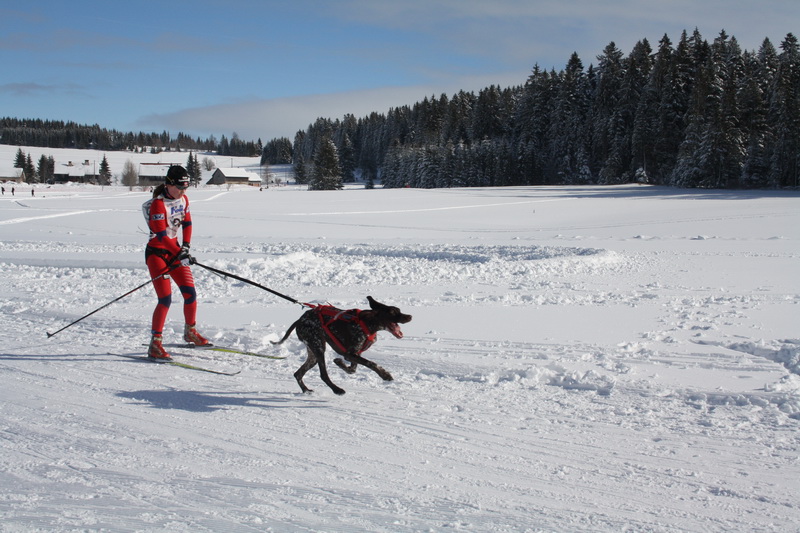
{"x":580,"y":359}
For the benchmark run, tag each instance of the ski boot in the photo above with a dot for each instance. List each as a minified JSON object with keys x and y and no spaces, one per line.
{"x":191,"y":335}
{"x":156,"y":349}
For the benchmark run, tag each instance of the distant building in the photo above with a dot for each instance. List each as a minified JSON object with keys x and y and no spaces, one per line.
{"x":234,"y":176}
{"x":9,"y":172}
{"x":71,"y":171}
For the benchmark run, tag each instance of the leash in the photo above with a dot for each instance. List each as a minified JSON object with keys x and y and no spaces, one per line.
{"x":332,"y":313}
{"x":324,"y":311}
{"x":249,"y":282}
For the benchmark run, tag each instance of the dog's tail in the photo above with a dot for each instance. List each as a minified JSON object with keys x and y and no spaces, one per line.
{"x":288,"y":332}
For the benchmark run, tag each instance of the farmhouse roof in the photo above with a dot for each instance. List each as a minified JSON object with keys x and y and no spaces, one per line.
{"x":10,"y":172}
{"x":234,"y":174}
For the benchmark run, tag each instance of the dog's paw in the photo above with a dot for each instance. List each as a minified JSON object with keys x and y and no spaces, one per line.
{"x":386,"y":376}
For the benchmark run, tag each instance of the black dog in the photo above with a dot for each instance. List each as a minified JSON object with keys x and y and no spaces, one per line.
{"x":349,"y":333}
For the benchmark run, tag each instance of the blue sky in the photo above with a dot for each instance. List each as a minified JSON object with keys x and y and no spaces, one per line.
{"x":265,"y":69}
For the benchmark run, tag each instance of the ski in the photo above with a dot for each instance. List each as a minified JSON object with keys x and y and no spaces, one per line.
{"x":213,"y":348}
{"x":240,"y":352}
{"x":173,"y":362}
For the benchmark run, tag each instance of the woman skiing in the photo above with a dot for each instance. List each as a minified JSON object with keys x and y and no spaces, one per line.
{"x":167,"y":214}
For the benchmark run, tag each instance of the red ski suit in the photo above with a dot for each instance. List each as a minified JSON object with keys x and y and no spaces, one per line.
{"x":166,"y":217}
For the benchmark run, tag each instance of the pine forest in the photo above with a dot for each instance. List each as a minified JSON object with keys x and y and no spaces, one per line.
{"x":691,"y":114}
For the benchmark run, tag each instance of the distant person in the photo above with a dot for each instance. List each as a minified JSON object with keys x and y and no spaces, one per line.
{"x":167,"y":214}
{"x":12,"y":191}
{"x":32,"y":193}
{"x":4,"y":190}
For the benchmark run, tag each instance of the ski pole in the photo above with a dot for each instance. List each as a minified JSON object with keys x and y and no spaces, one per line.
{"x":169,"y":267}
{"x":253,"y":283}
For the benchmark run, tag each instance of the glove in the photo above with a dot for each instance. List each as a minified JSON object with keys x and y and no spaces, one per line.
{"x":183,"y":255}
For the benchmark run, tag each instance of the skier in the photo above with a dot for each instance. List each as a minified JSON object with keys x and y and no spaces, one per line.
{"x":167,"y":213}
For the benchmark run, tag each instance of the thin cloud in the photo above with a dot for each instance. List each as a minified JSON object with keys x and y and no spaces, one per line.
{"x":283,"y":117}
{"x":38,"y":89}
{"x":511,"y":31}
{"x":18,"y":17}
{"x":99,"y":65}
{"x":22,"y":41}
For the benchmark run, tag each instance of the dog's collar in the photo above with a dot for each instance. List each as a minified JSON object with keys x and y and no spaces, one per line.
{"x":332,"y":314}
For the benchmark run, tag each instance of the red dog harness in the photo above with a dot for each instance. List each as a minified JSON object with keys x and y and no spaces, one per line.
{"x":329,"y":315}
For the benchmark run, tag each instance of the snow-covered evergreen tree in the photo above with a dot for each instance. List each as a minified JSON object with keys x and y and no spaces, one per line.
{"x":19,"y":159}
{"x":347,"y":158}
{"x":784,"y":113}
{"x":605,"y":121}
{"x":327,"y":172}
{"x":105,"y":172}
{"x":567,"y":134}
{"x":758,"y":77}
{"x":193,"y":169}
{"x":30,"y":170}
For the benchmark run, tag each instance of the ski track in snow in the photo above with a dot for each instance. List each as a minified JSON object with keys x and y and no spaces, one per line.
{"x":551,"y":380}
{"x":23,"y":220}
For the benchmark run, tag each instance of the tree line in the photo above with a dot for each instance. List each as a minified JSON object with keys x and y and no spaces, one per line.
{"x":691,"y":114}
{"x":60,"y":134}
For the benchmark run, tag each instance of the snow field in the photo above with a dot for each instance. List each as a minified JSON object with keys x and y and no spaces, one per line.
{"x":580,"y":359}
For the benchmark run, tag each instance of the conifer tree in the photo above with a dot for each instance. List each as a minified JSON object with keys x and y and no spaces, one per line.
{"x":105,"y":172}
{"x":532,"y":126}
{"x":46,"y":168}
{"x":606,"y":120}
{"x":30,"y":170}
{"x":759,"y":76}
{"x":327,"y":172}
{"x":784,"y":113}
{"x":659,"y":125}
{"x":300,"y":171}
{"x":193,"y":169}
{"x":347,"y":158}
{"x":567,"y":135}
{"x":19,"y":159}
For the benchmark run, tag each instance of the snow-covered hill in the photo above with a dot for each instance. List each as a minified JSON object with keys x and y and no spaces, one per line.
{"x":580,"y":359}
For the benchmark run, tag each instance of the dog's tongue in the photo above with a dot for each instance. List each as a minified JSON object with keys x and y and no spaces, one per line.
{"x":394,"y":329}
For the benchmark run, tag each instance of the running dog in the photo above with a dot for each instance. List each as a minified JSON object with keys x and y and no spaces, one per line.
{"x":350,"y":333}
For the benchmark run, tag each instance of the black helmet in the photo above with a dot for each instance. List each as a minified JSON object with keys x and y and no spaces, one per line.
{"x":177,"y":176}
